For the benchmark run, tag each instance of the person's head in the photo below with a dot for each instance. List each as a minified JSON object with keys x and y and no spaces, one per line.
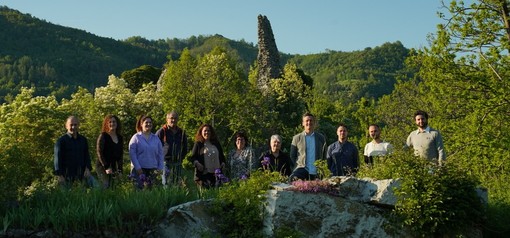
{"x":308,"y":122}
{"x":205,"y":133}
{"x":144,"y":124}
{"x":241,"y":139}
{"x":72,"y":125}
{"x":374,"y":131}
{"x":111,"y":123}
{"x":421,"y":119}
{"x":275,"y":143}
{"x":342,"y":132}
{"x":171,"y":119}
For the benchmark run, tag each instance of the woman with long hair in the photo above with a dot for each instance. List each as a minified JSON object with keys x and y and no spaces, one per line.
{"x":207,"y":156}
{"x":109,"y":150}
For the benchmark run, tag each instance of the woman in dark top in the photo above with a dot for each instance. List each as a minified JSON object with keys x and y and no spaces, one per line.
{"x":110,"y":152}
{"x":207,"y":156}
{"x":275,"y":159}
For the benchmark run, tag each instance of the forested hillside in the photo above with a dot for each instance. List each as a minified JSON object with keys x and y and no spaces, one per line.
{"x":57,"y":59}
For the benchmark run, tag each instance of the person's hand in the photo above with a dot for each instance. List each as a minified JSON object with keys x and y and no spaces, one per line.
{"x":109,"y":171}
{"x":139,"y":171}
{"x":199,"y":166}
{"x":86,"y":174}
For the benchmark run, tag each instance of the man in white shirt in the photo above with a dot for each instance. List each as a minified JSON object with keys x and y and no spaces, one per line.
{"x":376,"y":147}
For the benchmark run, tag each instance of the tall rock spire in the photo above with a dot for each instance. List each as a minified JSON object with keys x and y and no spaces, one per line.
{"x":268,"y":59}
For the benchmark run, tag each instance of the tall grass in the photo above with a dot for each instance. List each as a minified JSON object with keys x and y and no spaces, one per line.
{"x":123,"y":211}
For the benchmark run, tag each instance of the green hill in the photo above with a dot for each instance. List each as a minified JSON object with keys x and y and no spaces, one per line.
{"x":57,"y":59}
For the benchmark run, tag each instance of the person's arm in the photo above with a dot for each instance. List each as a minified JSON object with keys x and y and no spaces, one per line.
{"x":294,"y":152}
{"x":57,"y":157}
{"x":194,"y":158}
{"x":88,"y":163}
{"x":440,"y":149}
{"x":221,"y":155}
{"x":184,"y":145}
{"x":159,"y":155}
{"x":133,"y":153}
{"x":330,"y":159}
{"x":100,"y":151}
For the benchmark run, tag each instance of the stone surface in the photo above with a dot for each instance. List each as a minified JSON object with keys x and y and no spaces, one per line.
{"x":361,"y":209}
{"x":268,"y":58}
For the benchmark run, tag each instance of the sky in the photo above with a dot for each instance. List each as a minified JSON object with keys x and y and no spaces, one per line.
{"x":299,"y":26}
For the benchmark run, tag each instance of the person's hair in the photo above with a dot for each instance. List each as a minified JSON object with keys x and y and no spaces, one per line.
{"x":307,"y":114}
{"x":141,"y":119}
{"x":420,"y":112}
{"x":275,"y":137}
{"x":106,"y":123}
{"x":212,"y":134}
{"x":375,"y":125}
{"x":172,"y":112}
{"x":343,"y":125}
{"x":241,"y":134}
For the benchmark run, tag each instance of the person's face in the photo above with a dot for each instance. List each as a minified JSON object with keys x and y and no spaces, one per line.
{"x":342,"y":133}
{"x":72,"y":125}
{"x":276,"y":145}
{"x":171,"y":119}
{"x":374,"y":132}
{"x":147,"y":125}
{"x":421,"y":121}
{"x":112,"y":124}
{"x":308,"y":123}
{"x":206,"y":133}
{"x":240,"y":143}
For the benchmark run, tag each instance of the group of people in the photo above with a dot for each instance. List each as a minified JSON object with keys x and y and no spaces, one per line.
{"x":164,"y":151}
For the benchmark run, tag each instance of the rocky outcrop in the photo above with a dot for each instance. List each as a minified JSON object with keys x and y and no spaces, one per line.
{"x":268,"y":58}
{"x":359,"y":210}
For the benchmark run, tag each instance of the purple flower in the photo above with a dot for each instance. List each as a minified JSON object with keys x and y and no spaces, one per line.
{"x":217,"y":171}
{"x":266,"y":161}
{"x":244,"y":177}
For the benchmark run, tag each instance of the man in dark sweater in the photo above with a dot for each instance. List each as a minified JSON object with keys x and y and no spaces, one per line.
{"x":72,"y":158}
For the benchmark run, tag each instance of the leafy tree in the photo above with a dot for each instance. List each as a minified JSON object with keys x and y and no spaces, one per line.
{"x":30,"y":126}
{"x":144,"y":74}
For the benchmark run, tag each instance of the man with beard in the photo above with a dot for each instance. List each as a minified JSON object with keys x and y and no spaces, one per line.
{"x":426,"y":142}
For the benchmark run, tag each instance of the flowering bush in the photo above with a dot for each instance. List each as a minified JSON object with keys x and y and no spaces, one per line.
{"x":314,"y":186}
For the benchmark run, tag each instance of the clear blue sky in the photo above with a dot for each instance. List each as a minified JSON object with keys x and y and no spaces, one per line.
{"x":299,"y":26}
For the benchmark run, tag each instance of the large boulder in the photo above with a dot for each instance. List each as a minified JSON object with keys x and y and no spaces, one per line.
{"x":359,"y":208}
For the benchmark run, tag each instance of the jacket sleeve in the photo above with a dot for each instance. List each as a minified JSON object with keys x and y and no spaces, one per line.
{"x":100,"y":151}
{"x":293,"y":151}
{"x":88,"y":162}
{"x":56,"y":157}
{"x":195,"y":153}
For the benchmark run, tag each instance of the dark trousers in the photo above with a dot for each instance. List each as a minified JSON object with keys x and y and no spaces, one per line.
{"x":301,"y":173}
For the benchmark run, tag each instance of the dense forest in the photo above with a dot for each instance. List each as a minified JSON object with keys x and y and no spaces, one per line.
{"x":462,"y":80}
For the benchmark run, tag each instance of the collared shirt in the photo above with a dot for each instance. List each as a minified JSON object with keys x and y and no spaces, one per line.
{"x":146,"y":153}
{"x":427,"y":144}
{"x":310,"y":153}
{"x":342,"y":158}
{"x":71,"y":156}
